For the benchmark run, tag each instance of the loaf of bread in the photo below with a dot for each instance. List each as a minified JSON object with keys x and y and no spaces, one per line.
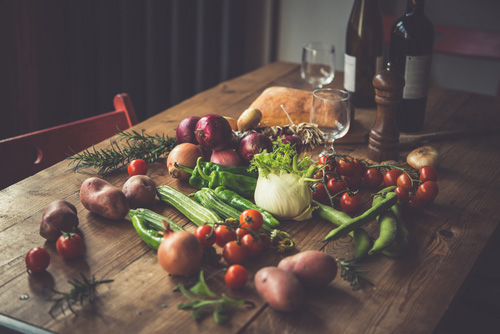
{"x":295,"y":101}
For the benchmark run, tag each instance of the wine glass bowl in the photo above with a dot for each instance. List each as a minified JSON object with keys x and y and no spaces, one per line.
{"x":330,"y":111}
{"x":318,"y":64}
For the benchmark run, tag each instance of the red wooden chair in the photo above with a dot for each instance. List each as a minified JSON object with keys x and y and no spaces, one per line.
{"x":458,"y":41}
{"x":30,"y":153}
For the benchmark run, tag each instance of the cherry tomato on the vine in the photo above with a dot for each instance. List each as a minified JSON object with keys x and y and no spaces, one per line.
{"x":330,"y":163}
{"x":403,"y":194}
{"x":37,"y":259}
{"x":206,"y":235}
{"x":415,"y":203}
{"x":350,"y":203}
{"x":137,"y":167}
{"x":234,"y":252}
{"x":236,"y":276}
{"x":404,"y":181}
{"x":373,"y":177}
{"x":428,"y":173}
{"x":428,"y":191}
{"x":319,"y":193}
{"x":359,"y":167}
{"x":252,"y":245}
{"x":336,"y":186}
{"x":223,"y":235}
{"x":354,"y":181}
{"x":346,"y":167}
{"x":391,"y":177}
{"x":252,"y":219}
{"x":69,"y":245}
{"x":240,"y":232}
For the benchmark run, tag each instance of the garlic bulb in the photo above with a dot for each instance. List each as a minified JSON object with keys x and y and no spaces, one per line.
{"x":423,"y":156}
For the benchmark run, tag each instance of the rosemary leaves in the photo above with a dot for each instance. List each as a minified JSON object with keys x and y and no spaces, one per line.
{"x":350,"y":273}
{"x":136,"y":146}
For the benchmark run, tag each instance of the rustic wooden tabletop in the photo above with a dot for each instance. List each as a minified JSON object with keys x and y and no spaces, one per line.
{"x":411,"y":295}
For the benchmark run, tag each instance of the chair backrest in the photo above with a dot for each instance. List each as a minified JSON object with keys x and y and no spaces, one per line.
{"x":30,"y":153}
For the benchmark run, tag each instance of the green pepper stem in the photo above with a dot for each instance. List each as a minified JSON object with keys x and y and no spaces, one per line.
{"x":200,"y":170}
{"x":183,"y":168}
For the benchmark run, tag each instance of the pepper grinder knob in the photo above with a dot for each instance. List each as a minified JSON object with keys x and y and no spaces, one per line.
{"x":383,"y":142}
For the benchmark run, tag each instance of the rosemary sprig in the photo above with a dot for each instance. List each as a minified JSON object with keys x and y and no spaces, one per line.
{"x":137,"y":146}
{"x":349,"y":272}
{"x":85,"y":289}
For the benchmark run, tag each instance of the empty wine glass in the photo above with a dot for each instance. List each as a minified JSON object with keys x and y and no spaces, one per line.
{"x":318,"y":64}
{"x":331,"y":112}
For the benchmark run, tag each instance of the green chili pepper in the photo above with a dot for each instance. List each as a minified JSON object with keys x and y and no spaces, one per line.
{"x":149,"y":236}
{"x":208,"y":167}
{"x":242,"y":184}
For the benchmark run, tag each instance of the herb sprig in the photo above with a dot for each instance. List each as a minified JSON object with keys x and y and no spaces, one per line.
{"x":350,"y":273}
{"x":137,"y":146}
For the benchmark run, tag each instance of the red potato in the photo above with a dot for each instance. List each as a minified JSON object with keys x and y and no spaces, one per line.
{"x":58,"y":216}
{"x":312,"y":268}
{"x":279,"y":288}
{"x":102,"y":198}
{"x":140,"y":191}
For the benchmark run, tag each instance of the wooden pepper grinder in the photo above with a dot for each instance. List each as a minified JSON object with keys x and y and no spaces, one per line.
{"x":383,"y":139}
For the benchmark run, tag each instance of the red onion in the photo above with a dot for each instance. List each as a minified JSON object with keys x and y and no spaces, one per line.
{"x":226,"y":158}
{"x":292,"y":140}
{"x":185,"y":130}
{"x":253,"y":144}
{"x":213,"y":132}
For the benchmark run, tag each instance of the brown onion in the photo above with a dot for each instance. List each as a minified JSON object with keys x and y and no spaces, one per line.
{"x":184,"y":154}
{"x":423,"y":156}
{"x":180,"y":253}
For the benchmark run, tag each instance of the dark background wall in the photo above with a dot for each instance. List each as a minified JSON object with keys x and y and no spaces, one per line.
{"x":64,"y":60}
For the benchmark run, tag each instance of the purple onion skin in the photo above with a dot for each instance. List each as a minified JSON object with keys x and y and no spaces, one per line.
{"x":226,"y":158}
{"x":253,"y":144}
{"x":213,"y":132}
{"x":292,"y":140}
{"x":185,"y":130}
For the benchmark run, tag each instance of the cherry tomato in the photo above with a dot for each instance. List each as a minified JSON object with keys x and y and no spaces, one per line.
{"x":252,"y":245}
{"x":137,"y":167}
{"x":252,"y":219}
{"x":330,"y":163}
{"x":319,"y":193}
{"x":391,"y":177}
{"x":236,"y":276}
{"x":336,"y":186}
{"x":223,"y":235}
{"x":404,"y":181}
{"x":240,"y":232}
{"x":403,"y":194}
{"x":234,"y":253}
{"x":415,"y":204}
{"x":359,"y":167}
{"x":428,"y":173}
{"x":428,"y":191}
{"x":37,"y":259}
{"x":206,"y":235}
{"x":372,"y":177}
{"x":350,"y":203}
{"x":354,"y":181}
{"x":69,"y":245}
{"x":346,"y":167}
{"x":266,"y":240}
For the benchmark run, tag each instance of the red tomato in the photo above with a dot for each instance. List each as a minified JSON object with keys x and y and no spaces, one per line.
{"x":336,"y":186}
{"x":428,"y":173}
{"x":354,"y":181}
{"x":428,"y":191}
{"x":330,"y":163}
{"x":137,"y":167}
{"x":206,"y":235}
{"x":252,"y":219}
{"x":37,"y":259}
{"x":391,"y":177}
{"x":234,"y":253}
{"x":252,"y":245}
{"x":404,"y":181}
{"x":240,"y":232}
{"x":350,"y":203}
{"x":415,"y":204}
{"x":223,"y":235}
{"x":372,"y":177}
{"x":359,"y":167}
{"x":319,"y":193}
{"x":346,"y":167}
{"x":236,"y":276}
{"x":403,"y":194}
{"x":69,"y":245}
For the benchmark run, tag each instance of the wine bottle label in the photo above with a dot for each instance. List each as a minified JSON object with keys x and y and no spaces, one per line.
{"x":349,"y":73}
{"x":417,"y":72}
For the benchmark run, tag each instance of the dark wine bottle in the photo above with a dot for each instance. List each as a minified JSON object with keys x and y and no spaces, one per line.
{"x":363,"y":51}
{"x":410,"y":53}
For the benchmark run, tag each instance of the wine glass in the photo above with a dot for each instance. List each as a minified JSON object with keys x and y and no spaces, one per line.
{"x":318,"y":64}
{"x":331,"y":112}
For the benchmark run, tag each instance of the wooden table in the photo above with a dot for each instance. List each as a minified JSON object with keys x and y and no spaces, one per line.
{"x":411,"y":295}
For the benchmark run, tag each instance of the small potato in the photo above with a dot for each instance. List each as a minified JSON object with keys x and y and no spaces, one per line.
{"x":58,"y":216}
{"x":312,"y":268}
{"x":279,"y":288}
{"x":140,"y":191}
{"x":249,"y":119}
{"x":102,"y":198}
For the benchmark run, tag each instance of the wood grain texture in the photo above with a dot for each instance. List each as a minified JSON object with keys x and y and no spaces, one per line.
{"x":411,"y":295}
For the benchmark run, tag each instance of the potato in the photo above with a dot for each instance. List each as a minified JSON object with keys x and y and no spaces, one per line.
{"x":58,"y":216}
{"x":249,"y":119}
{"x":279,"y":288}
{"x":311,"y":267}
{"x":100,"y":197}
{"x":140,"y":191}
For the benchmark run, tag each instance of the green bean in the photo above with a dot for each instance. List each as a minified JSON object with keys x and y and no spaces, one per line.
{"x":387,"y":226}
{"x":362,"y":242}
